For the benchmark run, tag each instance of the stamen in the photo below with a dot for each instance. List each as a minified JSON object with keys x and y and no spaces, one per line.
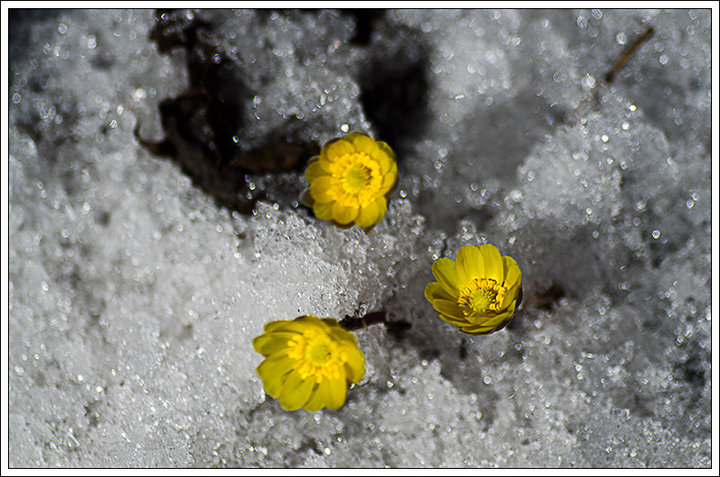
{"x":481,"y":295}
{"x":356,"y":180}
{"x":317,"y":356}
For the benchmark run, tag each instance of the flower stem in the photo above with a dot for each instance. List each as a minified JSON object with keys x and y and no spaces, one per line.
{"x":628,"y":53}
{"x":352,"y":323}
{"x":593,"y":96}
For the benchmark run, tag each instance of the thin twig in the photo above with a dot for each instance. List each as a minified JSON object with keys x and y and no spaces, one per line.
{"x":628,"y":53}
{"x":593,"y":97}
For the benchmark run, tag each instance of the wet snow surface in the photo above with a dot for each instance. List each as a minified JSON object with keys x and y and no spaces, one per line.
{"x":134,"y":294}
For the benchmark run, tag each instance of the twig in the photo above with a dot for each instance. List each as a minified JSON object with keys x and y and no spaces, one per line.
{"x":593,"y":97}
{"x":628,"y":53}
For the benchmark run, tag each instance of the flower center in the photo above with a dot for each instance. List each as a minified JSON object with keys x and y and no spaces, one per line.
{"x":316,"y":356}
{"x":356,"y":179}
{"x":481,"y":295}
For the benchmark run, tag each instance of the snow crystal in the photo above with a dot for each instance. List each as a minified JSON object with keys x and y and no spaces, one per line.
{"x":134,"y":296}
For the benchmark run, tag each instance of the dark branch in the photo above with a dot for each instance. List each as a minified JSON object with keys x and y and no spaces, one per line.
{"x":628,"y":53}
{"x":351,"y":323}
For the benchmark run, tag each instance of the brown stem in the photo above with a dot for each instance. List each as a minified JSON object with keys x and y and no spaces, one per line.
{"x":593,"y":98}
{"x":628,"y":53}
{"x":351,"y":323}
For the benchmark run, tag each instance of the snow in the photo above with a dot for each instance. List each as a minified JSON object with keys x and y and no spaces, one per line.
{"x":134,"y":296}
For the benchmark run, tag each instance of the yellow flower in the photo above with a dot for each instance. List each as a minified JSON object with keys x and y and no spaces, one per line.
{"x":310,"y":362}
{"x":479,"y":292}
{"x":351,"y":180}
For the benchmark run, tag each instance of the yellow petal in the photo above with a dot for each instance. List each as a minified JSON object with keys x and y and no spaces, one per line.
{"x":511,"y":296}
{"x":355,"y":366}
{"x":301,"y":324}
{"x":344,"y":215}
{"x":383,"y":160}
{"x":276,"y":363}
{"x":363,"y":143}
{"x":372,"y":214}
{"x":335,"y":148}
{"x":510,"y":308}
{"x":368,"y":216}
{"x":470,"y":263}
{"x":385,"y":157}
{"x":295,"y":393}
{"x":511,"y":271}
{"x":383,"y":146}
{"x":273,"y":384}
{"x":310,"y":321}
{"x":493,"y":262}
{"x":333,"y":392}
{"x":320,"y":188}
{"x":275,"y":325}
{"x":445,"y":273}
{"x":257,"y":342}
{"x":389,"y":181}
{"x":382,"y":206}
{"x":272,"y":343}
{"x":434,"y":291}
{"x":272,"y":371}
{"x":341,"y":335}
{"x":315,"y":403}
{"x":453,"y":321}
{"x":450,"y":308}
{"x":337,"y":331}
{"x":314,"y":171}
{"x":351,"y":136}
{"x":489,"y":325}
{"x":477,"y":330}
{"x":323,"y":210}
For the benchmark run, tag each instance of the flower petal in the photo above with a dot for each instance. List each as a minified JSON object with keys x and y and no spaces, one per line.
{"x":355,"y":365}
{"x":477,"y":329}
{"x":333,"y":392}
{"x":383,"y":146}
{"x":323,"y":210}
{"x":368,"y":216}
{"x":386,"y":164}
{"x":316,"y":402}
{"x":335,"y":148}
{"x":280,"y":372}
{"x":273,"y":384}
{"x":271,"y":343}
{"x":302,"y":324}
{"x":272,"y":372}
{"x":320,"y":189}
{"x":493,"y":262}
{"x":510,"y":296}
{"x":275,"y":325}
{"x":372,"y":214}
{"x":363,"y":143}
{"x":344,"y":215}
{"x":453,"y":321}
{"x":389,"y":181}
{"x":314,"y":171}
{"x":511,"y":271}
{"x":295,"y":393}
{"x":434,"y":291}
{"x":445,"y":273}
{"x":305,"y":198}
{"x":488,"y":326}
{"x":384,"y":156}
{"x":470,"y":263}
{"x":450,"y":308}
